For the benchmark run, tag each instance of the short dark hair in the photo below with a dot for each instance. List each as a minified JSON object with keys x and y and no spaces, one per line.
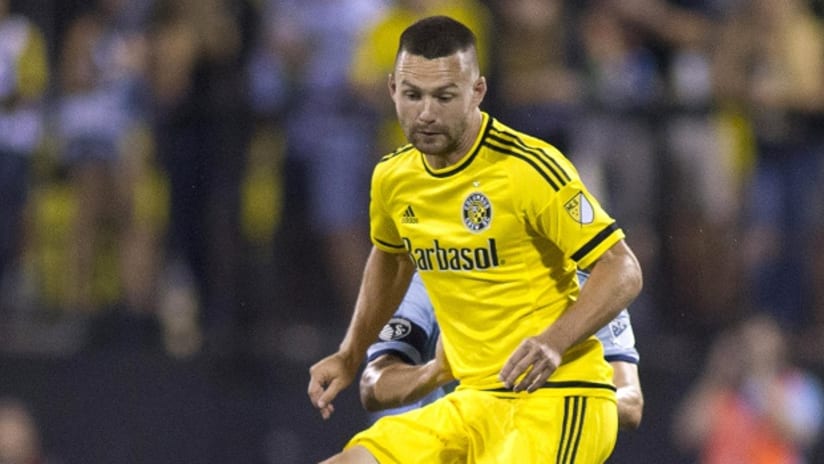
{"x":436,"y":37}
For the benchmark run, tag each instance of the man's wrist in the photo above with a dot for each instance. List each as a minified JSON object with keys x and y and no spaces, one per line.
{"x":435,"y":375}
{"x":352,"y":358}
{"x":556,"y":339}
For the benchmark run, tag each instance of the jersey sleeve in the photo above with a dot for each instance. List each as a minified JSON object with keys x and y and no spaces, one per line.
{"x":412,"y":332}
{"x":383,"y":230}
{"x":619,"y":339}
{"x":562,"y":209}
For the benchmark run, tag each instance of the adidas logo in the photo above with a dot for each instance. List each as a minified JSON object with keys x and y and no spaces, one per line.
{"x":408,"y":216}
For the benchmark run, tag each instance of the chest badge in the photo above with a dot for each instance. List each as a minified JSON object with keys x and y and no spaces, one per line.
{"x":477,"y":212}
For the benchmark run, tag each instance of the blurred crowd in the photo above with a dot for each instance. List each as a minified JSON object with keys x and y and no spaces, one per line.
{"x":179,"y":169}
{"x":752,"y":402}
{"x":154,"y":152}
{"x":156,"y":155}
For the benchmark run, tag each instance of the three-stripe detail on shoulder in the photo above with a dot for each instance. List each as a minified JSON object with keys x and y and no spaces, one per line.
{"x":575,"y":408}
{"x":543,"y":161}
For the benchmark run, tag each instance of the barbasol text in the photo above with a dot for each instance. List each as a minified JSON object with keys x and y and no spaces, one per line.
{"x":440,"y":258}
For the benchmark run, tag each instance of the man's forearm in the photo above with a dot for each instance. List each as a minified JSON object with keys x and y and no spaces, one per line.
{"x":385,"y":280}
{"x":388,"y":382}
{"x":613,"y":283}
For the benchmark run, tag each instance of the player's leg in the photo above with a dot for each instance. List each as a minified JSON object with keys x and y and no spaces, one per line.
{"x":549,"y":428}
{"x":434,"y":434}
{"x":589,"y":430}
{"x":353,"y":455}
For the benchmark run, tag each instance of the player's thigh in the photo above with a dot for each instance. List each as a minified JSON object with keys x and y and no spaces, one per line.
{"x":433,"y":434}
{"x":584,"y":430}
{"x":352,"y":455}
{"x":572,"y":429}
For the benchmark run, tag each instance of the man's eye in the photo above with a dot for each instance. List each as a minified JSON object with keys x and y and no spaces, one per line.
{"x":411,"y":95}
{"x":445,"y":98}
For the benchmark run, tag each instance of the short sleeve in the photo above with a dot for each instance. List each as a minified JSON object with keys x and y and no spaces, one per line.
{"x":569,"y":216}
{"x":383,"y":230}
{"x":412,"y":332}
{"x":618,"y":339}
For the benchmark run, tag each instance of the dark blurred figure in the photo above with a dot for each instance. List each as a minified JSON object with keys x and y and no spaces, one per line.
{"x":24,"y":77}
{"x":102,"y":61}
{"x":19,"y":435}
{"x":613,"y":141}
{"x":538,"y":87}
{"x":752,"y":403}
{"x":327,"y":135}
{"x":201,"y":128}
{"x":700,"y":150}
{"x":769,"y":62}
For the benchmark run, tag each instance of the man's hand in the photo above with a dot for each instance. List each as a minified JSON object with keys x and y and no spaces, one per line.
{"x":328,"y":377}
{"x":535,"y":360}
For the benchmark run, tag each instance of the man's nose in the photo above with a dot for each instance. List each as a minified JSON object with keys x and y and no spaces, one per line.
{"x":428,"y":111}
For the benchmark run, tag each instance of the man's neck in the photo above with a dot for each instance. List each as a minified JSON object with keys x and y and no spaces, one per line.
{"x":467,"y":141}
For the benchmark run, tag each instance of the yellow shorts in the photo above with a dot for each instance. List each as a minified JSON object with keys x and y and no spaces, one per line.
{"x":478,"y":427}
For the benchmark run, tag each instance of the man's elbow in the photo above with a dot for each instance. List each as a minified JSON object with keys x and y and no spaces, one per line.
{"x":630,"y":413}
{"x":634,"y":276}
{"x":368,"y":398}
{"x":631,"y":420}
{"x":369,"y":402}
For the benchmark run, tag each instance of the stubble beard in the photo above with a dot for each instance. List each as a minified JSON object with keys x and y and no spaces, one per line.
{"x":442,"y":144}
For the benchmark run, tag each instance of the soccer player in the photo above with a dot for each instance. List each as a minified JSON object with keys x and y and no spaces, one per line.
{"x":496,"y":222}
{"x":404,"y":372}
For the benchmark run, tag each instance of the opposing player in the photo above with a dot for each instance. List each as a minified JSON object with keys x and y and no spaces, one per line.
{"x":406,"y":368}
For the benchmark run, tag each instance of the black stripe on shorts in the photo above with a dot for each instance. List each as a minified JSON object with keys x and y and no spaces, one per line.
{"x":573,"y":424}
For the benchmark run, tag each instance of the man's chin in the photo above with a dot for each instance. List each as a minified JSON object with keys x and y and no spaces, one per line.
{"x":429,"y":145}
{"x":429,"y":149}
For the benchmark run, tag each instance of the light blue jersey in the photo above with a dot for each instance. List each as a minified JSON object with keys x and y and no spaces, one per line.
{"x":412,"y":335}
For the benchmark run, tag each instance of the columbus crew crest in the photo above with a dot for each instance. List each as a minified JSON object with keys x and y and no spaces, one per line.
{"x":580,"y":209}
{"x":477,"y":212}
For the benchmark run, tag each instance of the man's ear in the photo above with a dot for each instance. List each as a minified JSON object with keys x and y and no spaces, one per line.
{"x":390,"y":83}
{"x":479,"y":89}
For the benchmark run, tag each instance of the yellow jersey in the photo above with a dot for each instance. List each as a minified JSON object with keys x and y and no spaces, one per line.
{"x":497,"y":239}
